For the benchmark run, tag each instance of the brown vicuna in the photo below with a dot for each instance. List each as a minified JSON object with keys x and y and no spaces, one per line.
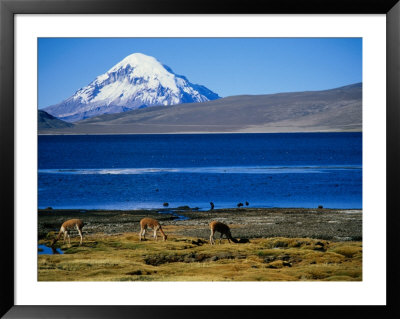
{"x":153,"y":224}
{"x":221,"y":228}
{"x":66,"y":227}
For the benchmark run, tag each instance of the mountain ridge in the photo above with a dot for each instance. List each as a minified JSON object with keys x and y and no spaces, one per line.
{"x":338,"y":109}
{"x":48,"y":121}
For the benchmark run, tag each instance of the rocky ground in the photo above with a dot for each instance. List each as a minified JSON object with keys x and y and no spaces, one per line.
{"x":328,"y":224}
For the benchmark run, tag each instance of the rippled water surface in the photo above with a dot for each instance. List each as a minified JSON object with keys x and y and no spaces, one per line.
{"x":145,"y":171}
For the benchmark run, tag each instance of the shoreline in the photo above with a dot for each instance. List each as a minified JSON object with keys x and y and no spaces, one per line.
{"x":329,"y":224}
{"x":198,"y":133}
{"x":188,"y":208}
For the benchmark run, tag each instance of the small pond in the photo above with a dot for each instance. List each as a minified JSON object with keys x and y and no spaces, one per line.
{"x":45,"y":250}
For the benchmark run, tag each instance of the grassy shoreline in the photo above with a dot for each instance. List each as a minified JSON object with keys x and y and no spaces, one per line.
{"x":111,"y":250}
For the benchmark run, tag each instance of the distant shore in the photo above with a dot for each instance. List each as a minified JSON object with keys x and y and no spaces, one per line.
{"x":182,"y":133}
{"x":328,"y":224}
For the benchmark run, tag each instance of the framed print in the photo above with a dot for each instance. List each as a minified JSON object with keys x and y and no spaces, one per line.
{"x":263,"y":125}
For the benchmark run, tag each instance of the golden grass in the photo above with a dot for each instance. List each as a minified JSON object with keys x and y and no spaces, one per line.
{"x":123,"y":258}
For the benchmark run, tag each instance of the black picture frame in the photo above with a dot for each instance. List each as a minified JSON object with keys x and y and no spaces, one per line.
{"x":8,"y":8}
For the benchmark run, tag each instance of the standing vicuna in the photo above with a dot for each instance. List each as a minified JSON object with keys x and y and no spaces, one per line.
{"x":66,"y":227}
{"x":150,"y":223}
{"x":221,"y":228}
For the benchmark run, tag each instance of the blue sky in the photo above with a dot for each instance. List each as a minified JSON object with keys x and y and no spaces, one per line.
{"x":227,"y":66}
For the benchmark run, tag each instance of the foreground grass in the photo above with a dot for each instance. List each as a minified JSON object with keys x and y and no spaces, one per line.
{"x":123,"y":258}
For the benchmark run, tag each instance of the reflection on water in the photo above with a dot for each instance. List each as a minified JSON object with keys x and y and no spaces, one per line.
{"x":262,"y":169}
{"x":45,"y":250}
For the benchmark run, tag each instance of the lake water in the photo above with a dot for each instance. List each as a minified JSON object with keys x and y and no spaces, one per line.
{"x":144,"y":171}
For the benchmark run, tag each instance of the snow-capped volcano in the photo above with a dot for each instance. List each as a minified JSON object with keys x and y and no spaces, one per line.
{"x":137,"y":81}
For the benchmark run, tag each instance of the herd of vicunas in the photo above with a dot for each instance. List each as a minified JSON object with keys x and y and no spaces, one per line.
{"x":145,"y":223}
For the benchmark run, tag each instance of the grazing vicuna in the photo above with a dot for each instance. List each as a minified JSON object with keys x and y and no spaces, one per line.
{"x":66,"y":227}
{"x":221,"y":228}
{"x":150,"y":223}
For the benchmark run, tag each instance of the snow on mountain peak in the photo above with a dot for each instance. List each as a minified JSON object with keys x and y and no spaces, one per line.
{"x":137,"y":81}
{"x":137,"y":60}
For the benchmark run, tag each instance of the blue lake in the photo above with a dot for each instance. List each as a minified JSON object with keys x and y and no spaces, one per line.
{"x":144,"y":171}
